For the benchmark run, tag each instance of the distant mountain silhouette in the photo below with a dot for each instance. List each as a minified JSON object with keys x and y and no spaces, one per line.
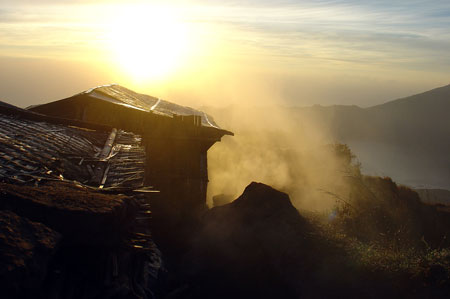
{"x":423,"y":116}
{"x":421,"y":121}
{"x":407,"y":139}
{"x":429,"y":100}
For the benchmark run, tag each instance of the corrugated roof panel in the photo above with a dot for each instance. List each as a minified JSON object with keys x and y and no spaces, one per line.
{"x":31,"y":151}
{"x":36,"y":150}
{"x":117,"y":94}
{"x":127,"y":162}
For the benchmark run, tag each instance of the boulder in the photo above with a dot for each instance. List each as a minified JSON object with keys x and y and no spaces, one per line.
{"x":259,"y":246}
{"x":255,"y":246}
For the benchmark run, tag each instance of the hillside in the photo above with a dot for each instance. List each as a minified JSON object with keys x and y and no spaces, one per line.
{"x":427,"y":101}
{"x":411,"y":140}
{"x":423,"y":116}
{"x":261,"y":246}
{"x":406,"y":139}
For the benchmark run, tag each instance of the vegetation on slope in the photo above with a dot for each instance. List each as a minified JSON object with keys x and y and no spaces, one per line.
{"x":386,"y":230}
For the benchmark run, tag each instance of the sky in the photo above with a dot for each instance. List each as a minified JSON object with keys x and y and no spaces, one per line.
{"x":221,"y":53}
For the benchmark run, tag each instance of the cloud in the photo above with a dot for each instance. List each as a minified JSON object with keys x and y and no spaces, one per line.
{"x":411,"y":34}
{"x":374,"y":40}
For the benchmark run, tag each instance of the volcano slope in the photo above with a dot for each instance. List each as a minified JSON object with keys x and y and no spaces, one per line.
{"x":259,"y":246}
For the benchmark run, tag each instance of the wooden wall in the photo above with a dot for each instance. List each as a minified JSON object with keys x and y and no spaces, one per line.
{"x":175,"y":147}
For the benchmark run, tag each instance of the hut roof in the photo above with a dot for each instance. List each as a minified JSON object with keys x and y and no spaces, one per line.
{"x":123,"y":96}
{"x":35,"y":147}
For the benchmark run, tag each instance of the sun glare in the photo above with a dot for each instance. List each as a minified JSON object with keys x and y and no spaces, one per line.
{"x":148,"y":42}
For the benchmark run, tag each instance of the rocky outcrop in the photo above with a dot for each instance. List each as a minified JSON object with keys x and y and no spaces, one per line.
{"x":251,"y":247}
{"x":259,"y":246}
{"x":25,"y":251}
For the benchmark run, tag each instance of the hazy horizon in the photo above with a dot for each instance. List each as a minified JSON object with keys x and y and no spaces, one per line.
{"x":219,"y":53}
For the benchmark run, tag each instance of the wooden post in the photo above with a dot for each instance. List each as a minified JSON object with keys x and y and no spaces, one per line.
{"x":99,"y":172}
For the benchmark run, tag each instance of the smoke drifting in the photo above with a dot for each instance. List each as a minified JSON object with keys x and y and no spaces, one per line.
{"x":271,"y":146}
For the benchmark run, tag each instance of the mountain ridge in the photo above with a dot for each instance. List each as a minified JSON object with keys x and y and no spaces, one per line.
{"x":440,"y":94}
{"x":407,"y":139}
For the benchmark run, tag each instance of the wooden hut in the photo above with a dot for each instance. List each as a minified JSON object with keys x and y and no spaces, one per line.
{"x":176,"y":138}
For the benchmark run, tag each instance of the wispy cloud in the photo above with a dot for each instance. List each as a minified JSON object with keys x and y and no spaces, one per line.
{"x":361,"y":50}
{"x":51,"y":31}
{"x":410,"y":34}
{"x":404,"y":33}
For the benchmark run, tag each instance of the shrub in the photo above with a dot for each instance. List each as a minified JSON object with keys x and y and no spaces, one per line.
{"x":378,"y":210}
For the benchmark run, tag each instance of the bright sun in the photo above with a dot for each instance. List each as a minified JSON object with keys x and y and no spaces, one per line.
{"x":148,"y":42}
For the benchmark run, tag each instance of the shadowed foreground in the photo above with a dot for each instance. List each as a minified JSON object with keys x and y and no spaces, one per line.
{"x":259,"y":246}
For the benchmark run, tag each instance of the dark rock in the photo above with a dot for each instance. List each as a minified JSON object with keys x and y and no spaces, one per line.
{"x":259,"y":246}
{"x":260,"y":201}
{"x":25,"y":250}
{"x":255,"y":246}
